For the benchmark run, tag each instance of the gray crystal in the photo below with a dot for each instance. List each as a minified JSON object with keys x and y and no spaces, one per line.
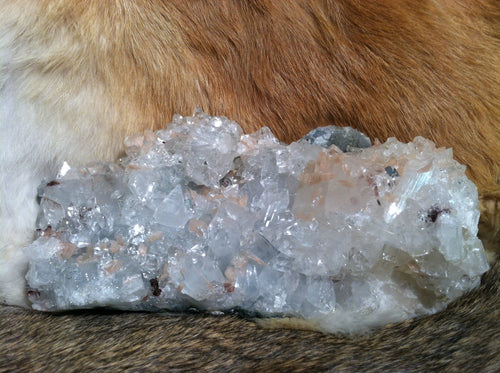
{"x":345,"y":138}
{"x":200,"y":215}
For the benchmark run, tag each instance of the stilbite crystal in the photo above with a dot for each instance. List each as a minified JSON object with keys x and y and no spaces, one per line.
{"x":200,"y":215}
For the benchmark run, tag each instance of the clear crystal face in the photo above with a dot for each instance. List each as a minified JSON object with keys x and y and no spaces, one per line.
{"x":200,"y":215}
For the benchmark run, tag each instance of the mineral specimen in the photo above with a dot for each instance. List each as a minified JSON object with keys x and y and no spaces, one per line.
{"x":199,"y":215}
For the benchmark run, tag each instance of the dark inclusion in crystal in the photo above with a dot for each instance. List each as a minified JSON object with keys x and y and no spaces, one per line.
{"x":434,"y":212}
{"x":155,"y":287}
{"x":391,"y":171}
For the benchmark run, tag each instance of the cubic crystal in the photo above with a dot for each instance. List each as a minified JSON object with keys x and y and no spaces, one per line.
{"x":329,"y":228}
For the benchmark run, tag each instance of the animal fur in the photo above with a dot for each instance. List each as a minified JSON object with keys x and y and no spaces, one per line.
{"x":76,"y":77}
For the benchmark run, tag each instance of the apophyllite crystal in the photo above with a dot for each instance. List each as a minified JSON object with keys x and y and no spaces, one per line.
{"x":199,"y":215}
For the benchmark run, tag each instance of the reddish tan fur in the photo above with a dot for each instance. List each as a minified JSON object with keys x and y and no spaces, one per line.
{"x":388,"y":68}
{"x":107,"y":69}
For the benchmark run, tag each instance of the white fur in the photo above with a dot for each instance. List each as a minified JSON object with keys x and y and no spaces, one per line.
{"x":46,"y":117}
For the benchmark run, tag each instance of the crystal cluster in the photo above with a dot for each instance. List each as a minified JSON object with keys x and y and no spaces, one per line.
{"x":199,"y":215}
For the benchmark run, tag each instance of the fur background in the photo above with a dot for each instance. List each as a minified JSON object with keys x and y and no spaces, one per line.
{"x":402,"y":68}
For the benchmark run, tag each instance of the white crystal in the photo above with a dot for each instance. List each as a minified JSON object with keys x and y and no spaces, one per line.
{"x":200,"y":215}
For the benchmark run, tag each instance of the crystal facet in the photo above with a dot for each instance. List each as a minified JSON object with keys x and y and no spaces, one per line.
{"x":200,"y":215}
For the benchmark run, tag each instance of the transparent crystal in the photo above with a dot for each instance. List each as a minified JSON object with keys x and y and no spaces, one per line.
{"x":200,"y":215}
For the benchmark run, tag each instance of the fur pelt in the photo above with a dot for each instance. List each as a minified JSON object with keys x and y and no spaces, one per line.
{"x":76,"y":77}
